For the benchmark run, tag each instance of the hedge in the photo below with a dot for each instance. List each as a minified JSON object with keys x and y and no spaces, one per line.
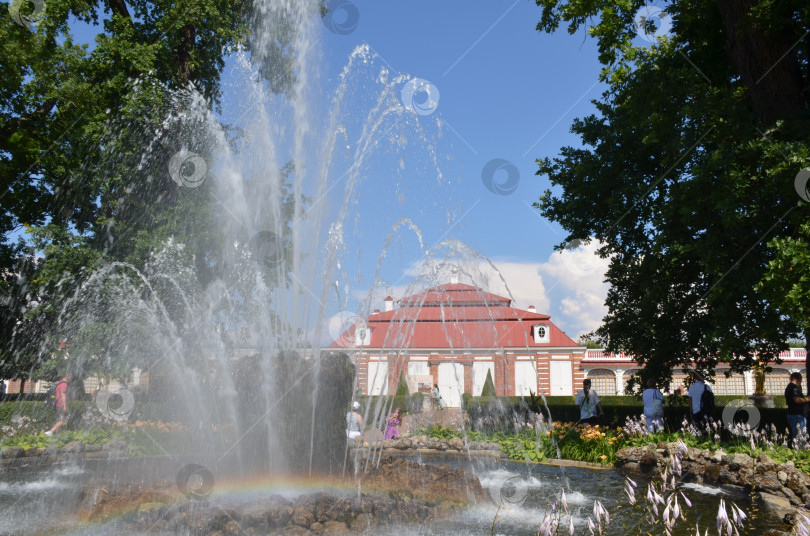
{"x":501,"y":413}
{"x":46,"y":415}
{"x":617,"y":400}
{"x":37,"y":411}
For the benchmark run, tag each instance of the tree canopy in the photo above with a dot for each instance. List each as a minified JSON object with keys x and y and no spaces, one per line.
{"x":687,"y":177}
{"x":96,"y":97}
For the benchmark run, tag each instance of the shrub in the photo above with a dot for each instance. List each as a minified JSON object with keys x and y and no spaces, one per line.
{"x":466,"y":399}
{"x":489,"y":386}
{"x":402,"y":387}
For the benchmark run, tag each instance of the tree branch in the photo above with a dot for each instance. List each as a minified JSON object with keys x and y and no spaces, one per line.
{"x":22,"y":121}
{"x":119,"y":7}
{"x":767,"y":64}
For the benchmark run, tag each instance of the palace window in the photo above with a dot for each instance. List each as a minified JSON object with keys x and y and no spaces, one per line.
{"x":734,"y":385}
{"x":776,"y":381}
{"x":541,"y":333}
{"x":603,"y":381}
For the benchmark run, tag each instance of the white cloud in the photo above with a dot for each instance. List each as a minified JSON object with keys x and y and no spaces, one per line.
{"x":578,"y":276}
{"x":525,"y":284}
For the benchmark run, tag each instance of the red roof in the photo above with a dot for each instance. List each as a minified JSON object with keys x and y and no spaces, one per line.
{"x":456,"y":316}
{"x":453,"y":293}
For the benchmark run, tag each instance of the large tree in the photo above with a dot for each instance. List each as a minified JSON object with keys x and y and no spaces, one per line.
{"x":686,"y":176}
{"x":95,"y":99}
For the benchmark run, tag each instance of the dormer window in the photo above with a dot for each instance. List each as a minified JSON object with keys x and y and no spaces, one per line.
{"x":541,"y":333}
{"x":362,"y":336}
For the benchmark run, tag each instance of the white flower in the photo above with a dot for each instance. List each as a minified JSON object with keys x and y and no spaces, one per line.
{"x":545,"y":527}
{"x":738,"y":515}
{"x":631,"y":497}
{"x":722,"y":517}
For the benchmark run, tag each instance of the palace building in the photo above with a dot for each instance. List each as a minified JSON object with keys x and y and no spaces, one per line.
{"x":454,"y":334}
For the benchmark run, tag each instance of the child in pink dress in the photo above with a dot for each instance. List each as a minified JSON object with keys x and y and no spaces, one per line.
{"x":391,"y":431}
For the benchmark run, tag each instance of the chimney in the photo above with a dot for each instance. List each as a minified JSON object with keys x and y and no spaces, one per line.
{"x":389,"y":303}
{"x":454,"y":275}
{"x":532,"y":309}
{"x":376,"y":311}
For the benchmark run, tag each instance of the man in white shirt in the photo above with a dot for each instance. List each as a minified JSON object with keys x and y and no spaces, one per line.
{"x":695,"y":392}
{"x":589,"y":404}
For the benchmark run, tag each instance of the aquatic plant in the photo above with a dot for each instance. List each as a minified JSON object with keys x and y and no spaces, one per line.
{"x":663,"y":507}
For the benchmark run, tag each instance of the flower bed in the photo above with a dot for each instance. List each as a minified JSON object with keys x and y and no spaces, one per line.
{"x":537,"y":441}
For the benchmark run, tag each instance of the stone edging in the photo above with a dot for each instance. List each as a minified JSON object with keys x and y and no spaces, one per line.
{"x":18,"y":457}
{"x":780,"y":487}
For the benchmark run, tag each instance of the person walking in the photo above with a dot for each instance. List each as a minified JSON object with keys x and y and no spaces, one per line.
{"x":437,"y":398}
{"x":653,"y":400}
{"x":796,"y":405}
{"x":590,"y":407}
{"x":695,"y":396}
{"x":354,"y":421}
{"x":61,"y":405}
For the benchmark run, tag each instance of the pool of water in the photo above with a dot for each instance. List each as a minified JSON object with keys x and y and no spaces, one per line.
{"x":527,"y":491}
{"x":37,"y":500}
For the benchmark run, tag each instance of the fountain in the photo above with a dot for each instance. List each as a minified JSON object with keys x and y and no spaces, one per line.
{"x":231,"y":342}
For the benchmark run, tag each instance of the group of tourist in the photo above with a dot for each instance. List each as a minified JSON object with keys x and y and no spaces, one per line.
{"x":354,"y":423}
{"x":590,"y":407}
{"x":591,"y":412}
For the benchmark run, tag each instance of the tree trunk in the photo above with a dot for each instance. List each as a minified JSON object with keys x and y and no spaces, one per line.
{"x":184,"y":54}
{"x":807,"y":356}
{"x":767,"y":64}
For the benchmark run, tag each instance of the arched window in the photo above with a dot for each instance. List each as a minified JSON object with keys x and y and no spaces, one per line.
{"x":626,"y":378}
{"x":776,"y":381}
{"x":603,"y":381}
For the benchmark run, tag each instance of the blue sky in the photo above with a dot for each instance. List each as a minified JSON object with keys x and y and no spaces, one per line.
{"x":506,"y":92}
